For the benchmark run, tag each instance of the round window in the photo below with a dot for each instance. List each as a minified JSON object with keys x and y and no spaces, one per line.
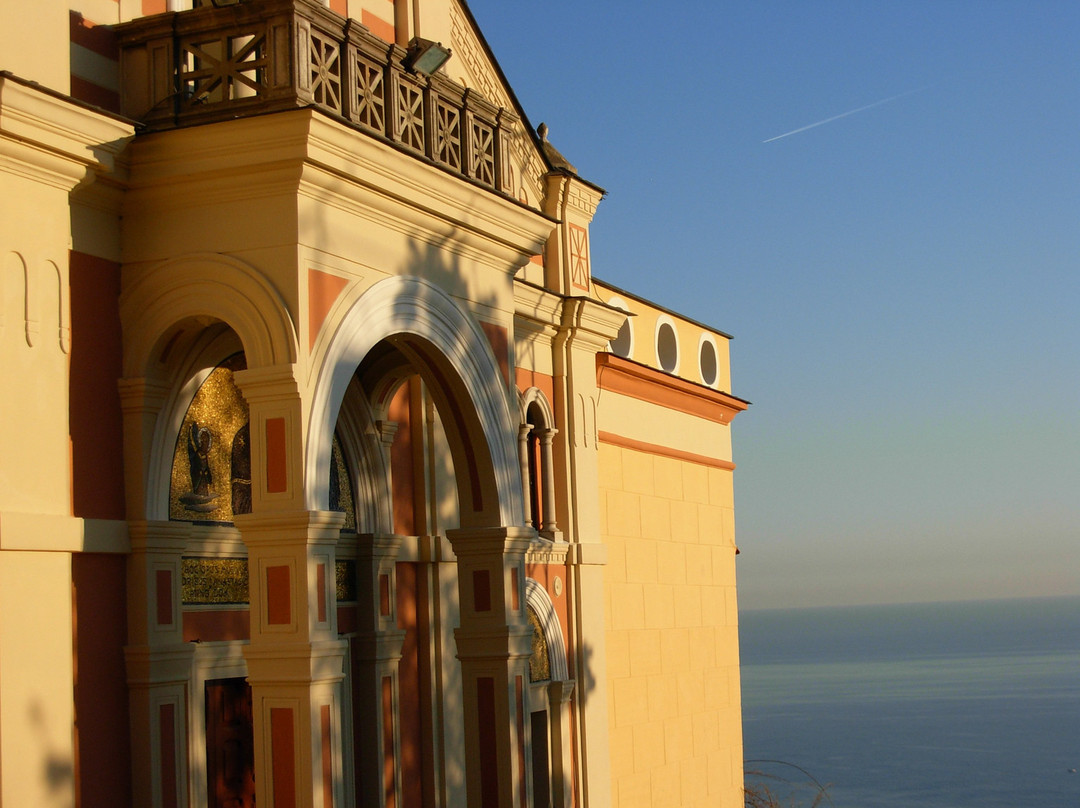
{"x":667,"y":347}
{"x":707,"y":361}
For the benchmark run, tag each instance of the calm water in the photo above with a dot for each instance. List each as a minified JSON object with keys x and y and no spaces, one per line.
{"x":960,"y":705}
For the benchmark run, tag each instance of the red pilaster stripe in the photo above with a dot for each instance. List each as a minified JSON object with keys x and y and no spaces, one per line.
{"x":163,"y":597}
{"x":500,"y":346}
{"x":278,"y":596}
{"x":481,"y":584}
{"x":97,"y":38}
{"x":167,"y":740}
{"x":320,"y":582}
{"x":94,"y":57}
{"x":277,"y":478}
{"x":327,"y":758}
{"x":378,"y":26}
{"x":489,"y":760}
{"x":389,"y":764}
{"x":515,"y":597}
{"x":282,"y":754}
{"x":384,"y":595}
{"x":519,"y":697}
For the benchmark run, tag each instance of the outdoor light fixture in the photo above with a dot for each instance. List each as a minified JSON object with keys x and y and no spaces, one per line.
{"x":424,"y":56}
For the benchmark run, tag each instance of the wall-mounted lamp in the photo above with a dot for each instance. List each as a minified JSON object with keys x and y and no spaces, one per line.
{"x":424,"y":56}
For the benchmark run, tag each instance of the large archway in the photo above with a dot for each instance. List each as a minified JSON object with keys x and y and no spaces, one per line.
{"x":448,"y":350}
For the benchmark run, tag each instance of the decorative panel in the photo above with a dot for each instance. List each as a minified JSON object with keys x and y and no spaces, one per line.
{"x":325,"y":67}
{"x":409,"y":114}
{"x":370,"y":110}
{"x":205,"y":581}
{"x":579,"y":257}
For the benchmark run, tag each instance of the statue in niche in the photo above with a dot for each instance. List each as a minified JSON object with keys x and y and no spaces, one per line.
{"x":241,"y":470}
{"x":200,"y":499}
{"x":210,"y":469}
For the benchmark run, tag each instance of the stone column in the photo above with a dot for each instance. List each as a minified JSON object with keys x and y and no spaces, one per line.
{"x":523,"y":453}
{"x":295,"y":659}
{"x":159,"y":664}
{"x":379,"y":651}
{"x":494,"y":644}
{"x":549,"y":527}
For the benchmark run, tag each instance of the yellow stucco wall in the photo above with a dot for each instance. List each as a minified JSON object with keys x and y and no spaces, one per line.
{"x":671,"y":633}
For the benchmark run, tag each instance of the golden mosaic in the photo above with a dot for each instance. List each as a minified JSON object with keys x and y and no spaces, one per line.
{"x":211,"y":471}
{"x":213,"y":580}
{"x":341,"y":495}
{"x":539,"y":662}
{"x":345,"y":572}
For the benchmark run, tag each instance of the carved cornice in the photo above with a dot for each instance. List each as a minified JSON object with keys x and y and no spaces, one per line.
{"x":51,"y":139}
{"x":656,"y":387}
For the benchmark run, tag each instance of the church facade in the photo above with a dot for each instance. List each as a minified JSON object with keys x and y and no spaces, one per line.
{"x":330,"y":474}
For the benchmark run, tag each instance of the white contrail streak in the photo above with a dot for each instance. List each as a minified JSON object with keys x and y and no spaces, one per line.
{"x":844,"y":114}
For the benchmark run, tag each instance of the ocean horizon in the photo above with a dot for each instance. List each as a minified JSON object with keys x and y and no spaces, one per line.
{"x":968,"y":704}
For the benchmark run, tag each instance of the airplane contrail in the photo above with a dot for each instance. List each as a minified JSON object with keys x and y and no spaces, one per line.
{"x":844,"y":114}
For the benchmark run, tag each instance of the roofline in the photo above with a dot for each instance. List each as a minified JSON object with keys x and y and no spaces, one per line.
{"x":664,"y":309}
{"x":517,"y":104}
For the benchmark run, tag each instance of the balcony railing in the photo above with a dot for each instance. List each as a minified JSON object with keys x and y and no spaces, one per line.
{"x":214,"y":64}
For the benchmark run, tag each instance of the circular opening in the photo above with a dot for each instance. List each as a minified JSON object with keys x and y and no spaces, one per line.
{"x":667,"y":347}
{"x":707,"y":361}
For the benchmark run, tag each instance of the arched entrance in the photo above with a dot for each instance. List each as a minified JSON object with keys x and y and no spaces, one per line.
{"x":441,"y":641}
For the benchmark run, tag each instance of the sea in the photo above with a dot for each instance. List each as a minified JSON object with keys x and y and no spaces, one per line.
{"x":945,"y":705}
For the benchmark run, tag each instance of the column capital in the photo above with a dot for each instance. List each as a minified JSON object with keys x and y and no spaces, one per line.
{"x":158,"y":536}
{"x":287,"y":527}
{"x":270,"y":383}
{"x":142,"y":394}
{"x":473,"y":541}
{"x":497,"y":644}
{"x":296,"y":663}
{"x":560,"y":690}
{"x":147,"y":665}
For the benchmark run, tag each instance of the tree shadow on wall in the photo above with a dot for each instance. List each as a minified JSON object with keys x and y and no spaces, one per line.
{"x":57,"y":767}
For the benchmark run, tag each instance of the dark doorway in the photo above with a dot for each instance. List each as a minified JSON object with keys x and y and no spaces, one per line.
{"x":230,"y":744}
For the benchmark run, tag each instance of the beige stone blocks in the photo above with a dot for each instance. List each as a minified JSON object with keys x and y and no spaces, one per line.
{"x":672,"y":640}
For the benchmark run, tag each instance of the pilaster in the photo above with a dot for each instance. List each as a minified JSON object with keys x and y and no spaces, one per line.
{"x":159,"y":664}
{"x":295,"y":660}
{"x":585,"y":329}
{"x":494,"y":645}
{"x":379,"y":647}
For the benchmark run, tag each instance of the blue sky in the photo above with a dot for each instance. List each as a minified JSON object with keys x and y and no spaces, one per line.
{"x":903,"y":283}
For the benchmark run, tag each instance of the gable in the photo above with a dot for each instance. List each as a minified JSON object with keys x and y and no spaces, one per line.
{"x":475,"y":67}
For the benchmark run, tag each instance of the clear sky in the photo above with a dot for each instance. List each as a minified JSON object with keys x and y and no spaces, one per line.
{"x":903,"y":282}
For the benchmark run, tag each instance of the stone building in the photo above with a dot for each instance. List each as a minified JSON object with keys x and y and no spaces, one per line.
{"x":330,"y":475}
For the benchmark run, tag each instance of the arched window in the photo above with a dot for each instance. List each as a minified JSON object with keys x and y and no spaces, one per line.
{"x":537,"y":433}
{"x":550,"y":689}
